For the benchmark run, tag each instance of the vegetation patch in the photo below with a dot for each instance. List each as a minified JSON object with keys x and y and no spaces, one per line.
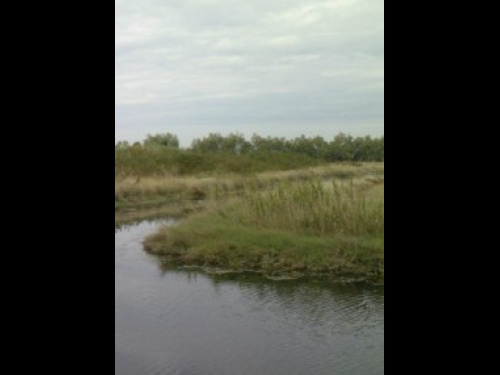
{"x":310,"y":228}
{"x":281,"y":207}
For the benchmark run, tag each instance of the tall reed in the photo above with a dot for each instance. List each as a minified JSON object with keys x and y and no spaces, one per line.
{"x":315,"y":207}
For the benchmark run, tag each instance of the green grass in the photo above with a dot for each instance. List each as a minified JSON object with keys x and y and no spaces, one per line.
{"x":140,"y":161}
{"x":309,"y":227}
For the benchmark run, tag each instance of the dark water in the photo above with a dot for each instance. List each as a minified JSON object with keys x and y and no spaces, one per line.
{"x":186,"y":322}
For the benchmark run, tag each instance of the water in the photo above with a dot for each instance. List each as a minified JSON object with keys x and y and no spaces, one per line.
{"x":170,"y":321}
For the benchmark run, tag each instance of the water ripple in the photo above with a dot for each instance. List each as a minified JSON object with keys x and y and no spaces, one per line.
{"x":188,"y":323}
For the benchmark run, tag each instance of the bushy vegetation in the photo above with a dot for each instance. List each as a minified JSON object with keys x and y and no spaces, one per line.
{"x":216,"y":154}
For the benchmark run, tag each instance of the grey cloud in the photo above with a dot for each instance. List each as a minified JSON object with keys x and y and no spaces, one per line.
{"x":208,"y":63}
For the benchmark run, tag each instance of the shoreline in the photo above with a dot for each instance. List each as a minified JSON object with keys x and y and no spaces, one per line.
{"x":286,"y":230}
{"x":278,"y":276}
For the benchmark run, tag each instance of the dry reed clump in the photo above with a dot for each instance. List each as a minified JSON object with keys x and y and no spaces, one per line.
{"x":315,"y":207}
{"x":133,"y":192}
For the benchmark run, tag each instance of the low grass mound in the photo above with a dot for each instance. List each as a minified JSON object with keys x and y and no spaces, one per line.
{"x":309,"y":227}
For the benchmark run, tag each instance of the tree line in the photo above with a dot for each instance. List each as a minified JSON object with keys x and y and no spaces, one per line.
{"x":342,"y":148}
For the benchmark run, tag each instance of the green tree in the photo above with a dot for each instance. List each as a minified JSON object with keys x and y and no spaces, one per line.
{"x":122,"y":145}
{"x":167,"y":140}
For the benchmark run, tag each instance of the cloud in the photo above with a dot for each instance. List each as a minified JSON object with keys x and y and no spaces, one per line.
{"x":198,"y":63}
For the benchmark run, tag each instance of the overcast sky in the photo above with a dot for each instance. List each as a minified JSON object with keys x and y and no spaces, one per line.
{"x":272,"y":67}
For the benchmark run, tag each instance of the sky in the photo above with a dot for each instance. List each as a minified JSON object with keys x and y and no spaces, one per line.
{"x":279,"y":68}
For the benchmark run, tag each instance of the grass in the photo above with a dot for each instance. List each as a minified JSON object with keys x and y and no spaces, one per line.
{"x":268,"y":205}
{"x":158,"y":161}
{"x":136,"y":192}
{"x":314,"y":207}
{"x":306,"y":226}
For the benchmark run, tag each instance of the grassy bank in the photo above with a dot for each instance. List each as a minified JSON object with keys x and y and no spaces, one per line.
{"x":176,"y":194}
{"x":304,"y":206}
{"x":311,"y":225}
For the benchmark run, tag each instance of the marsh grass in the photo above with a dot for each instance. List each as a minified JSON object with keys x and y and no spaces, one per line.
{"x":311,"y":227}
{"x":315,"y":207}
{"x":158,"y":161}
{"x":140,"y":192}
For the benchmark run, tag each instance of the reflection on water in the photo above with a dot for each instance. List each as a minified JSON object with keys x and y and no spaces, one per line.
{"x":142,"y":226}
{"x":187,"y":322}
